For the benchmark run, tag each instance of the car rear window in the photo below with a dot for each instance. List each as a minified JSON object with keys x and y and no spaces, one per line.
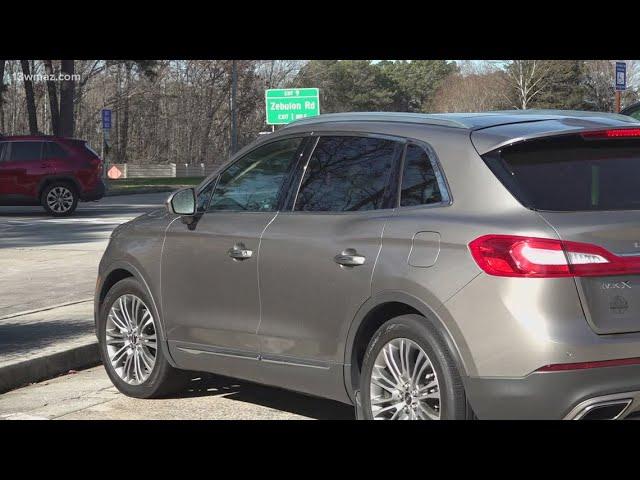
{"x":571,"y":173}
{"x":53,"y":150}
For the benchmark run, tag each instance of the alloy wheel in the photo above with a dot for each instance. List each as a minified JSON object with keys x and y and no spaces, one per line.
{"x":131,"y":339}
{"x":404,"y":384}
{"x":60,"y":199}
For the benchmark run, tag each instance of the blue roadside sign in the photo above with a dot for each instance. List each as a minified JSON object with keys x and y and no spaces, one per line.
{"x":621,"y":76}
{"x":106,"y":119}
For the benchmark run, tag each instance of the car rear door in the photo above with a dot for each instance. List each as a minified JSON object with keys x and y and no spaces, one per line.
{"x":209,"y":271}
{"x":317,"y":258}
{"x":56,"y":159}
{"x":22,"y":169}
{"x":587,"y":187}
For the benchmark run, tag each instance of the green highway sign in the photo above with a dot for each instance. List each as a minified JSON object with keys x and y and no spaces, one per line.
{"x":284,"y":105}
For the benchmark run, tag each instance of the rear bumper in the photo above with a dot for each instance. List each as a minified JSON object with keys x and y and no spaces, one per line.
{"x":553,"y":395}
{"x":96,"y":193}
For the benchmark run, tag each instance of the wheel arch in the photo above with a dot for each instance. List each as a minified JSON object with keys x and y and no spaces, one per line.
{"x":49,"y":179}
{"x":121,"y":270}
{"x":116,"y":272}
{"x":371,"y":315}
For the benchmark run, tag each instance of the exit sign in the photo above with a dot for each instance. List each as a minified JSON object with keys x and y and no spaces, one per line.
{"x":285,"y":105}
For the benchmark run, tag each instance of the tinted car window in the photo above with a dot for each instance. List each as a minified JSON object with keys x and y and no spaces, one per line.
{"x":571,"y":173}
{"x":25,"y":151}
{"x":3,"y":147}
{"x":347,"y":174}
{"x":253,"y":183}
{"x":419,"y":182}
{"x":53,"y":150}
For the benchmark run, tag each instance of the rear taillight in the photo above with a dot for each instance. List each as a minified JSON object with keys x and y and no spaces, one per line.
{"x":515,"y":256}
{"x":614,"y":133}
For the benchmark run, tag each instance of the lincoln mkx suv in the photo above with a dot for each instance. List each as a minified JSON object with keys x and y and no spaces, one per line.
{"x":417,"y":266}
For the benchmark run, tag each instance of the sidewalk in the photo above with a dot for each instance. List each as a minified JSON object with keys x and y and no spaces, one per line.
{"x":44,"y":343}
{"x":90,"y":395}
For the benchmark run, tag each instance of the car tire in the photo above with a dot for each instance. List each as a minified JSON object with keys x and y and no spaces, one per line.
{"x":59,"y":199}
{"x":158,"y":381}
{"x":426,"y":359}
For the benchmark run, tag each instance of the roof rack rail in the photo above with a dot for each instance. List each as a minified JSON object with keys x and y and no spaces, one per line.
{"x":421,"y":118}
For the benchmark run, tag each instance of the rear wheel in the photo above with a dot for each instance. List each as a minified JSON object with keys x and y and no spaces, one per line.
{"x":130,"y":346}
{"x":409,"y":373}
{"x":59,"y":199}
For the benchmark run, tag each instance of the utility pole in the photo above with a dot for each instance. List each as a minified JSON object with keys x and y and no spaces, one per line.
{"x":234,"y":113}
{"x":620,"y":82}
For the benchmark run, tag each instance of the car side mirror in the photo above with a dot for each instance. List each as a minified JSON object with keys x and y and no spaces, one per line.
{"x":182,"y":202}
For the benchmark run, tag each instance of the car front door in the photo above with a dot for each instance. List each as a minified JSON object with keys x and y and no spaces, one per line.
{"x":316,"y":260}
{"x":210,"y":292}
{"x":22,"y":170}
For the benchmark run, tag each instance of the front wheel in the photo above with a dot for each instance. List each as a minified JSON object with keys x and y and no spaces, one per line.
{"x":409,"y":373}
{"x":59,"y":199}
{"x":130,"y":344}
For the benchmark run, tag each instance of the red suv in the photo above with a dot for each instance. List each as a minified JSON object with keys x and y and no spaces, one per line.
{"x":49,"y":171}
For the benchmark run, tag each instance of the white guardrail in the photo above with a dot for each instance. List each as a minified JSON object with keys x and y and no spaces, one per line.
{"x":129,"y":170}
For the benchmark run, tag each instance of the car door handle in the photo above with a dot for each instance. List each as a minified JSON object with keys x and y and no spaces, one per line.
{"x":349,"y":258}
{"x":240,"y":252}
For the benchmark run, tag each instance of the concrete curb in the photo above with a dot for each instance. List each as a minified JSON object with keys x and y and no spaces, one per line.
{"x":44,"y":309}
{"x":48,"y":366}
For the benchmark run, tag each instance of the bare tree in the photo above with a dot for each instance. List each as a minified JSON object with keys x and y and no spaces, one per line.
{"x":29,"y":97}
{"x":125,"y":103}
{"x":471,"y":92}
{"x":599,"y":84}
{"x":182,"y":115}
{"x":524,"y":80}
{"x":2,"y":64}
{"x":67,"y":120}
{"x":278,"y":73}
{"x":52,"y":91}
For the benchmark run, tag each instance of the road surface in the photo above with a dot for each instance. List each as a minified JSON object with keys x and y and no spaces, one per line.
{"x":48,"y":261}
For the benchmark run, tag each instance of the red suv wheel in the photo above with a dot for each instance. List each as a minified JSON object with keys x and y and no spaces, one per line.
{"x":59,"y":199}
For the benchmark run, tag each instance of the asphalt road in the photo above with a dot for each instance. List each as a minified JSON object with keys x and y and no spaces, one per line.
{"x":48,"y":261}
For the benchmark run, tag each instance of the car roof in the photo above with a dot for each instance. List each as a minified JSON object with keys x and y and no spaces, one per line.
{"x":469,"y":121}
{"x":489,"y":130}
{"x":37,"y":138}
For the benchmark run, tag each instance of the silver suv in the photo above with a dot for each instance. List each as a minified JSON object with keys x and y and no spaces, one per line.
{"x":416,"y":266}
